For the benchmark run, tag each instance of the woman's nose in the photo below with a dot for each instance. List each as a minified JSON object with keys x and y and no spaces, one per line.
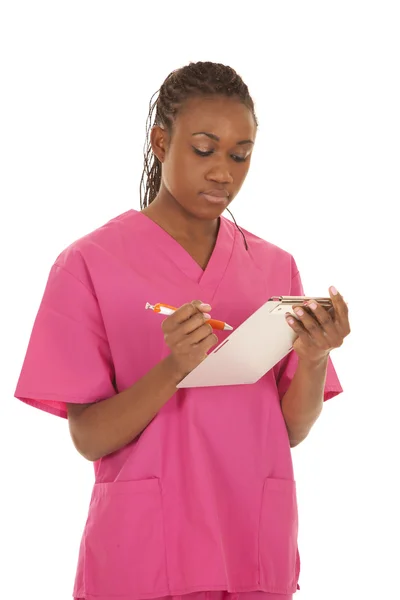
{"x":220,"y":174}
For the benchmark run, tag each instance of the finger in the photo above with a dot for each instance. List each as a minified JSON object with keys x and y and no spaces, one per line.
{"x":332,"y":313}
{"x":184,"y":329}
{"x":341,"y":309}
{"x":323,"y":316}
{"x":201,"y":306}
{"x":310,"y":323}
{"x":208,"y":342}
{"x":200,"y":335}
{"x":296,"y":325}
{"x":184,"y":313}
{"x":180,"y":342}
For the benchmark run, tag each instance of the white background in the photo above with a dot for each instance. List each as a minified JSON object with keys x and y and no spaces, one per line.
{"x":76,"y":79}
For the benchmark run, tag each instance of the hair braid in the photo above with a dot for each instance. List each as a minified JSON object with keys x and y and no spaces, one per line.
{"x":193,"y":80}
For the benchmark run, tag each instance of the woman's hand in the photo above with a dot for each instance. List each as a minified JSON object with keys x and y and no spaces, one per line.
{"x":188,"y":336}
{"x":319,"y":330}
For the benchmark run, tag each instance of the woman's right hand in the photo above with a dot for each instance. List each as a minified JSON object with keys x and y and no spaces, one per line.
{"x":188,"y":336}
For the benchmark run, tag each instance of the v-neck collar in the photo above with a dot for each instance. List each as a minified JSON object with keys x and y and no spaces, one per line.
{"x":208,"y":278}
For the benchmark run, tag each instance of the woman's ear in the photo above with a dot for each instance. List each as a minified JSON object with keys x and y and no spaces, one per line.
{"x":159,"y":142}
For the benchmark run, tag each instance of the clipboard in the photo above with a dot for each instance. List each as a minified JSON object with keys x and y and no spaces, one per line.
{"x":252,"y":349}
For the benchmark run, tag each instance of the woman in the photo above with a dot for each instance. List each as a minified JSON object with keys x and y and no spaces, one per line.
{"x":194,"y":490}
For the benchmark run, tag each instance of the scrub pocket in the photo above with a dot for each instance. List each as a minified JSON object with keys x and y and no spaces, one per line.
{"x":279,"y":561}
{"x":124,"y":547}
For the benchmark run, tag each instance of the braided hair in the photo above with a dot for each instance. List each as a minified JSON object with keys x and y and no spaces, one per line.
{"x":194,"y":80}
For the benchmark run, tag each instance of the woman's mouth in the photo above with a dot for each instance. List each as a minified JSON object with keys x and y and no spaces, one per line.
{"x":216,"y":196}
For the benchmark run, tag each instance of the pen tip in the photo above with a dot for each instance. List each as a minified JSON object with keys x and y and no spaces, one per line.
{"x":228,"y":327}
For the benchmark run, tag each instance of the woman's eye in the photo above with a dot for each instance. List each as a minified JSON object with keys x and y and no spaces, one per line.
{"x":235,"y":157}
{"x":201,"y":152}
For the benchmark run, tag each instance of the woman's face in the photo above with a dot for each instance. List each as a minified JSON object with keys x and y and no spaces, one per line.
{"x":205,"y":162}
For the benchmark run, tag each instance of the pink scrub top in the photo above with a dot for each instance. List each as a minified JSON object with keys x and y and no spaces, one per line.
{"x":205,"y":497}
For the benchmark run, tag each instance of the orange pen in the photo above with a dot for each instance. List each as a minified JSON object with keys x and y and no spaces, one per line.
{"x":165,"y":309}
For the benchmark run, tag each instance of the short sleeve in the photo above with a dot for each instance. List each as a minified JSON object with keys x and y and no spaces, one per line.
{"x":68,"y":359}
{"x":286,"y":368}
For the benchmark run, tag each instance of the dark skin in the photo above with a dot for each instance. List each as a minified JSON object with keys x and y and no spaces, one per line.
{"x":179,"y":207}
{"x":183,"y":211}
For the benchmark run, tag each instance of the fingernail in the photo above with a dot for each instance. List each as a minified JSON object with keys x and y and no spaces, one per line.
{"x":299,"y":311}
{"x":205,"y":307}
{"x":290,"y":320}
{"x":207,"y":316}
{"x":334,"y":290}
{"x":313,"y":305}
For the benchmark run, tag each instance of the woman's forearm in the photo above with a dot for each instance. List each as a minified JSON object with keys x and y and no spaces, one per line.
{"x":302,"y":404}
{"x":103,"y":427}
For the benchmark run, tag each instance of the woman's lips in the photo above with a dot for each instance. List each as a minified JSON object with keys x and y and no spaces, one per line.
{"x":216,"y":197}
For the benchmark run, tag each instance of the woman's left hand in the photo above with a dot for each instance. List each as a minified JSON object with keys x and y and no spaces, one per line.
{"x":319,"y":330}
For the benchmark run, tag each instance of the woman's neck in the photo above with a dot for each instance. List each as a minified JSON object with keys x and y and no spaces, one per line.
{"x":181,"y":225}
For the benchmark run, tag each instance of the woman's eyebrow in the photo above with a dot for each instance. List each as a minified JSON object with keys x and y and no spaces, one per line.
{"x":217,"y":139}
